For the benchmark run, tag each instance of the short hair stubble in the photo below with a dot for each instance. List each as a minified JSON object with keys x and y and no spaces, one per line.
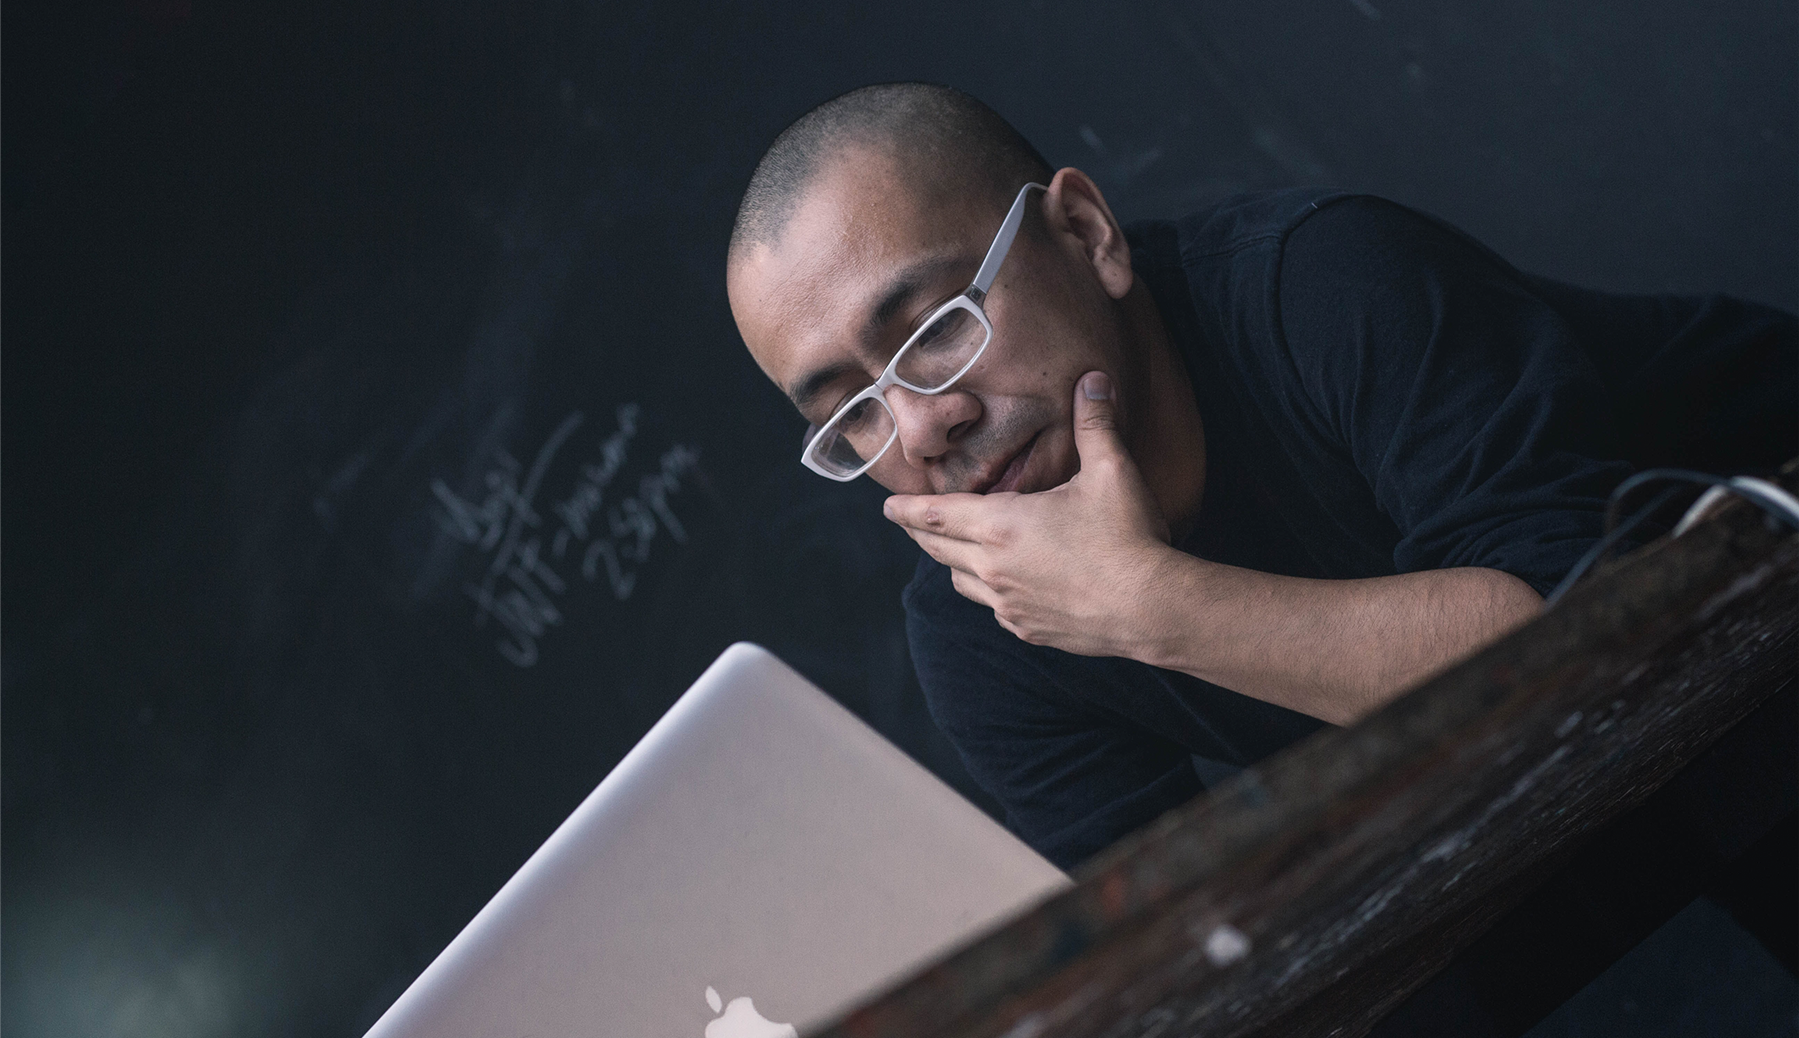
{"x":949,"y":138}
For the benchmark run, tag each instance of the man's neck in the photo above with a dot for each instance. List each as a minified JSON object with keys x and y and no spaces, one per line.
{"x":1164,"y":432}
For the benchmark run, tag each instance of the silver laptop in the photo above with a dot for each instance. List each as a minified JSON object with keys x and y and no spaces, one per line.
{"x":758,"y":862}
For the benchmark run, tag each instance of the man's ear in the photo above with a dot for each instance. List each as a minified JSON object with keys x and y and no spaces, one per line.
{"x":1075,"y":206}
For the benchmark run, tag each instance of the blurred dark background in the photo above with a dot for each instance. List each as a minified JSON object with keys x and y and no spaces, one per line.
{"x":325,"y":324}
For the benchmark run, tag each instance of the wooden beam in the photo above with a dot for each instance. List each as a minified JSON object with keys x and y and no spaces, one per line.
{"x":1312,"y":893}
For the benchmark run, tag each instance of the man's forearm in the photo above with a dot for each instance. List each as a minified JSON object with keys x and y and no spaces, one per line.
{"x":1334,"y":649}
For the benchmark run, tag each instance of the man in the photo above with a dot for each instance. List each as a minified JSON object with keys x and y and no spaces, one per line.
{"x":1198,"y":489}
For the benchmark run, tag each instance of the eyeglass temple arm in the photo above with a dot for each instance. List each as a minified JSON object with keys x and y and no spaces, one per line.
{"x":1002,"y":242}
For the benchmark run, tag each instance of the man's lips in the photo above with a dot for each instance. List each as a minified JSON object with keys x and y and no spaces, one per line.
{"x":1008,"y":477}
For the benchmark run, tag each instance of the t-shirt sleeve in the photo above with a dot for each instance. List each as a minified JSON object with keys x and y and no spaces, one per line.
{"x":1460,"y":394}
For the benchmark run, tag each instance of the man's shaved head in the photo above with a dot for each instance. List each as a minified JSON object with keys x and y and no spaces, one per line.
{"x":947,"y":142}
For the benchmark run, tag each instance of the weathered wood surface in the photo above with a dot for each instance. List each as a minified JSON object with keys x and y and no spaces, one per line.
{"x":1311,"y":894}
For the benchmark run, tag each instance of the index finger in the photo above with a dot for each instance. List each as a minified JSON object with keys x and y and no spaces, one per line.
{"x":957,"y":516}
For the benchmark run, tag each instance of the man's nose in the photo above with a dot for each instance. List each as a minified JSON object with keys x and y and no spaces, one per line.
{"x":928,"y":425}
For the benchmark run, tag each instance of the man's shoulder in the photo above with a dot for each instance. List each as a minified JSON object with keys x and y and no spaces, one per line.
{"x":1218,"y":268}
{"x":1230,"y":225}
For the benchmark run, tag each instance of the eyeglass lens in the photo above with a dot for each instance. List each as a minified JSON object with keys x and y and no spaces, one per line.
{"x":941,"y":350}
{"x":935,"y":356}
{"x":854,"y":438}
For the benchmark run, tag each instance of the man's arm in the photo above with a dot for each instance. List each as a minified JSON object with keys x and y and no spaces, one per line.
{"x":1333,"y":649}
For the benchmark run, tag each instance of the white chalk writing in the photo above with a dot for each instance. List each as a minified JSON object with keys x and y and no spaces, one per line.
{"x":523,"y":578}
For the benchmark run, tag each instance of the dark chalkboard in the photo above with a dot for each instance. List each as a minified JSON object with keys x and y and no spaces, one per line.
{"x":380,"y":459}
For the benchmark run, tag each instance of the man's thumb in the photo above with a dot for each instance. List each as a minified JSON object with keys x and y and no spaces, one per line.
{"x":1095,"y":415}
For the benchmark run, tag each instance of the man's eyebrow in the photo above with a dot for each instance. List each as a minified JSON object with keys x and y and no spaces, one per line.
{"x":803,"y":391}
{"x":917,"y":277}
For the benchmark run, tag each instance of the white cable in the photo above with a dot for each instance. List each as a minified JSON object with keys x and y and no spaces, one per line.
{"x":1760,"y":491}
{"x":1712,"y":496}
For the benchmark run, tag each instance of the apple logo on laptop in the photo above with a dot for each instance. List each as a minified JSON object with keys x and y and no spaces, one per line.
{"x":740,"y":1020}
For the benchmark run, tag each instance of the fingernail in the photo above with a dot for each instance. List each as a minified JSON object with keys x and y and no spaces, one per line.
{"x":1097,"y":386}
{"x":887,"y":508}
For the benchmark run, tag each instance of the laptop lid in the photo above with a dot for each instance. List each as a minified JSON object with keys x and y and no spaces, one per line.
{"x":760,"y":860}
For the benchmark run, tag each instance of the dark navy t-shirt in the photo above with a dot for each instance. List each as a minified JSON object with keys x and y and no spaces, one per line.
{"x":1380,"y":395}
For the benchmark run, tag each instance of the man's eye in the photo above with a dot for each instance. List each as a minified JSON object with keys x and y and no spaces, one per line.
{"x":838,"y":406}
{"x":861,"y":416}
{"x":954,"y":330}
{"x":933,"y":333}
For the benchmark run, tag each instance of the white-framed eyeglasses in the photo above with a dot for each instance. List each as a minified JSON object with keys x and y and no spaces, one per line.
{"x":940,"y":352}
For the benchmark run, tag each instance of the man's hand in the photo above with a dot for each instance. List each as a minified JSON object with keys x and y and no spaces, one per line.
{"x":1067,"y":567}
